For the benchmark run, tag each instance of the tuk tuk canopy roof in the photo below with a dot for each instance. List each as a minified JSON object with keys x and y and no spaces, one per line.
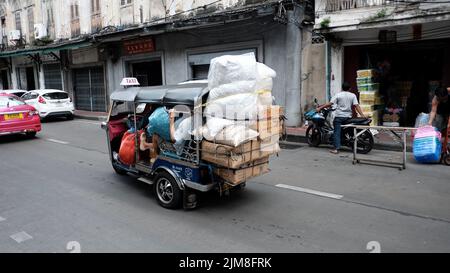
{"x":183,"y":94}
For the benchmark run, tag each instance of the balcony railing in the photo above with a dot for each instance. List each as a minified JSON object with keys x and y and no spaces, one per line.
{"x":337,"y":5}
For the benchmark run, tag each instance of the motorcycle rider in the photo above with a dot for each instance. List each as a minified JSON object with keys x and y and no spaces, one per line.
{"x":344,"y":101}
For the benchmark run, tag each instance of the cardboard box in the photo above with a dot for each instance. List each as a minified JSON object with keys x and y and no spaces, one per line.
{"x":268,"y":127}
{"x":368,"y":87}
{"x":237,"y":176}
{"x":270,"y":112}
{"x":235,"y":157}
{"x":369,"y":97}
{"x":365,"y":73}
{"x":367,"y":107}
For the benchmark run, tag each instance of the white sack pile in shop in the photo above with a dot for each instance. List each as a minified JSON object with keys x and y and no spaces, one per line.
{"x":239,"y":88}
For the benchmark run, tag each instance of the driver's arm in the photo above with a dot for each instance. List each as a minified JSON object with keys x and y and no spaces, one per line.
{"x":172,"y":124}
{"x":434,"y":106}
{"x":326,"y":105}
{"x":359,"y":110}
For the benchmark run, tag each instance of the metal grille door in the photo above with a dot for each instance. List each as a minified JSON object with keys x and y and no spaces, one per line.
{"x":52,"y":76}
{"x":89,"y":89}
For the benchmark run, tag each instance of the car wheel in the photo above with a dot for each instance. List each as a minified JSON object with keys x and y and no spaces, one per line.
{"x":30,"y":134}
{"x":167,"y":192}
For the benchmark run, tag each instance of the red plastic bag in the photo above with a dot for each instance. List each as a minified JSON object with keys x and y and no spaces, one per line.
{"x":127,"y":148}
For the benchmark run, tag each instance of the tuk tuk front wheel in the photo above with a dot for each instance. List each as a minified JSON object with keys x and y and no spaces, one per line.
{"x":167,"y":192}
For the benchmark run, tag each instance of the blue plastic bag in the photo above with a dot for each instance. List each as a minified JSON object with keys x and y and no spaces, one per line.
{"x":159,"y":123}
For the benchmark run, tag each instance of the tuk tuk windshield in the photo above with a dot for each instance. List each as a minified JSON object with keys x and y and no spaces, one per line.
{"x":121,"y":108}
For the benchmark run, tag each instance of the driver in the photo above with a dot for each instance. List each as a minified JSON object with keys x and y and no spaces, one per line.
{"x":344,"y":101}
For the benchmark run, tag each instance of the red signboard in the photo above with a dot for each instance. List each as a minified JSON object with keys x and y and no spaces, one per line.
{"x":138,"y":46}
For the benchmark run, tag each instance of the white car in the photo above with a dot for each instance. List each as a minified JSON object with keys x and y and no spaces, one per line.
{"x":17,"y":92}
{"x":50,"y":102}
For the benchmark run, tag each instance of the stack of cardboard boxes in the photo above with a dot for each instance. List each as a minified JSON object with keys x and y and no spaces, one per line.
{"x":237,"y":164}
{"x":369,"y":96}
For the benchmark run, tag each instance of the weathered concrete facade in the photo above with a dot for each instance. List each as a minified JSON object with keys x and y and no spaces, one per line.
{"x":352,"y":23}
{"x":91,"y":34}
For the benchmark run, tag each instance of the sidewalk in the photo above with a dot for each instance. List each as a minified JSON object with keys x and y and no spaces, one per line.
{"x":294,"y":134}
{"x":100,"y":116}
{"x":383,"y":140}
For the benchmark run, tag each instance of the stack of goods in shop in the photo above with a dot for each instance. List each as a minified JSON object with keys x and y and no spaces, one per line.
{"x":242,"y":126}
{"x":403,"y":89}
{"x":369,"y":96}
{"x":427,"y":145}
{"x":392,"y":115}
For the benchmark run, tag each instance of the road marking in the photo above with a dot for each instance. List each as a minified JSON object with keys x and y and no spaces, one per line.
{"x":2,"y":219}
{"x":21,"y":237}
{"x":320,"y":193}
{"x":57,"y":141}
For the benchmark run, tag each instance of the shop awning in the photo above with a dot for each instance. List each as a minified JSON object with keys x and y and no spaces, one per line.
{"x":45,"y":49}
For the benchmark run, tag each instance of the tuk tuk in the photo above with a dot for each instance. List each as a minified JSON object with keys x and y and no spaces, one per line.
{"x":176,"y":176}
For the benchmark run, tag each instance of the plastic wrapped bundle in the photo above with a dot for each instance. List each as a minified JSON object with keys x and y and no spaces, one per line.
{"x":427,"y":145}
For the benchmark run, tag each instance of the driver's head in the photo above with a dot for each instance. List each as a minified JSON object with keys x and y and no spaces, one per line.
{"x":442,"y":93}
{"x":346,"y":86}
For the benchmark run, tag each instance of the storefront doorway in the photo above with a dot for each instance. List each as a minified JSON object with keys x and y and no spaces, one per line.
{"x":89,"y":89}
{"x":4,"y":79}
{"x":407,"y":75}
{"x":31,"y":83}
{"x":148,"y":73}
{"x":52,"y":76}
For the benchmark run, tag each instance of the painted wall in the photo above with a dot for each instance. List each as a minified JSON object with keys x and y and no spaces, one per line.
{"x":175,"y":53}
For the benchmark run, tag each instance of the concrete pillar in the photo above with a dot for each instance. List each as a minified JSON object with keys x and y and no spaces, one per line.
{"x":293,"y":66}
{"x":41,"y":77}
{"x":13,"y":73}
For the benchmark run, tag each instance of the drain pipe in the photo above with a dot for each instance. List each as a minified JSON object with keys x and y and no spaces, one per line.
{"x":328,"y":70}
{"x":293,"y":65}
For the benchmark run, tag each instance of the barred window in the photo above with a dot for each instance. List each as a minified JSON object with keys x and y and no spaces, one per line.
{"x":18,"y":22}
{"x":125,"y":2}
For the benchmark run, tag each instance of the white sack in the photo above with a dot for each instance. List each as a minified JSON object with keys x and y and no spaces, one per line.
{"x":232,"y":68}
{"x":233,"y":88}
{"x":234,"y":107}
{"x":235,"y":135}
{"x":215,"y":125}
{"x":183,"y":130}
{"x":263,"y":71}
{"x":264,"y":83}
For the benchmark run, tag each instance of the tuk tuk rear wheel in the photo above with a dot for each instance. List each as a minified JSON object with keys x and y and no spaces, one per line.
{"x":167,"y":192}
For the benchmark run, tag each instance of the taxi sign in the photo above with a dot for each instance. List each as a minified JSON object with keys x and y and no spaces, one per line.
{"x":129,"y":82}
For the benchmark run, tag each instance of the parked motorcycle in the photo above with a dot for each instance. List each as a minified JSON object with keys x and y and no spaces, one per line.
{"x":321,"y":131}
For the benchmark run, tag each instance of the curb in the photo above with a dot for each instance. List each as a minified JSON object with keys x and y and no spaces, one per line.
{"x":101,"y":118}
{"x":377,"y":146}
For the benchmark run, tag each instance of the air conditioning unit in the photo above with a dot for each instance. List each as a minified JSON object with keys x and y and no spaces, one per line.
{"x":40,"y":31}
{"x":14,"y":35}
